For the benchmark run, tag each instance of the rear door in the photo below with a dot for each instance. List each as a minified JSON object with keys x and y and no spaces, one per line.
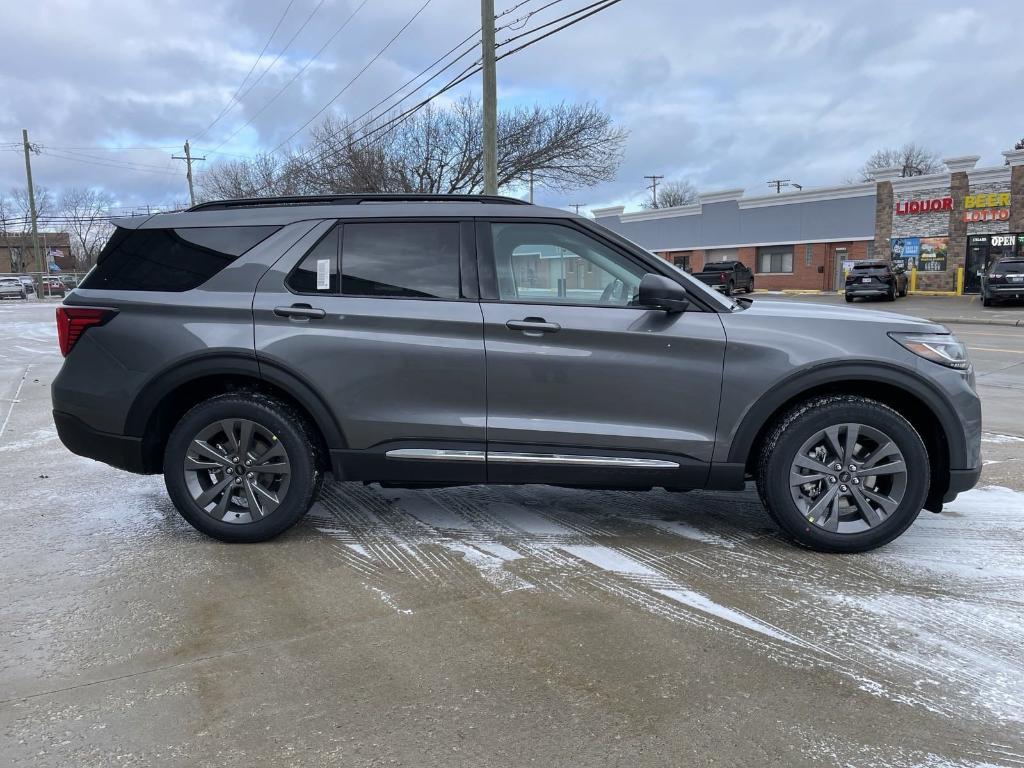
{"x":380,"y":318}
{"x":584,"y":387}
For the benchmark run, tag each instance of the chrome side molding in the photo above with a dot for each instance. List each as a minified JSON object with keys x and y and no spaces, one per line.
{"x":436,"y":454}
{"x":501,"y":457}
{"x":576,"y":460}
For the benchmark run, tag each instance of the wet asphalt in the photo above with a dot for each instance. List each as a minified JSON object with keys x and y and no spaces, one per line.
{"x":497,"y":626}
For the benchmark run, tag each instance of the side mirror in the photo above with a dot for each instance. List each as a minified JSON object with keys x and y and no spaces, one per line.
{"x":658,"y":292}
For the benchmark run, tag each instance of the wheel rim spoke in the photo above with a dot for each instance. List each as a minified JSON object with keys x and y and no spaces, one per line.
{"x":245,"y":437}
{"x":205,"y":449}
{"x":823,"y":503}
{"x":880,"y":453}
{"x":806,"y":462}
{"x":892,"y":468}
{"x":871,"y":517}
{"x":255,"y":510}
{"x":277,"y":468}
{"x":229,"y":427}
{"x":832,"y":434}
{"x":885,"y":502}
{"x":795,"y":478}
{"x":211,"y":493}
{"x":852,"y":433}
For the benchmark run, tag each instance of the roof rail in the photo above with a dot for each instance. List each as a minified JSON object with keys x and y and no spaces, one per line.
{"x":354,"y":199}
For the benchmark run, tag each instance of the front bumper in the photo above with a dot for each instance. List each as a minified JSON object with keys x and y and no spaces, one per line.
{"x":961,"y":480}
{"x":119,"y":451}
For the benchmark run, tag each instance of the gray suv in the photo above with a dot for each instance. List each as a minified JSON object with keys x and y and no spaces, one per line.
{"x":244,"y":348}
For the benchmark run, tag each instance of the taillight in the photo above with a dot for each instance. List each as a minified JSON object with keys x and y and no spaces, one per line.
{"x":721,"y":277}
{"x":72,"y":322}
{"x":995,"y":276}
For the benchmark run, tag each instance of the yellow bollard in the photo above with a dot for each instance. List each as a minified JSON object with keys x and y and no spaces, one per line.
{"x":913,"y":281}
{"x":959,"y":281}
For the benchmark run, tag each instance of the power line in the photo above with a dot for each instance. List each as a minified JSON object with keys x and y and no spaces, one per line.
{"x":294,"y":77}
{"x":287,"y":45}
{"x":356,"y":77}
{"x":249,"y":73}
{"x":148,"y":169}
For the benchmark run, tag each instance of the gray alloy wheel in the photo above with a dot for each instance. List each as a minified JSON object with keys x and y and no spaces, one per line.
{"x":848,"y":478}
{"x":237,"y":471}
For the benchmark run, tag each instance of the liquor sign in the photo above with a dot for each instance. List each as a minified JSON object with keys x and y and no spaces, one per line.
{"x":934,"y":205}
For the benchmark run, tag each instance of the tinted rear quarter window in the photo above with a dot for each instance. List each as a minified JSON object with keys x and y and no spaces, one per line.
{"x":170,"y":259}
{"x":416,"y":260}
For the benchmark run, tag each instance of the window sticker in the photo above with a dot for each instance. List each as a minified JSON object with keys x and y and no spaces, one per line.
{"x":323,"y":274}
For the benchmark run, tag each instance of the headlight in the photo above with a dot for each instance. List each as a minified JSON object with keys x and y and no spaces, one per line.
{"x":941,"y":348}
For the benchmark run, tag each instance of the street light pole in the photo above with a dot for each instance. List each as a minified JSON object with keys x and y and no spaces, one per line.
{"x":490,"y":98}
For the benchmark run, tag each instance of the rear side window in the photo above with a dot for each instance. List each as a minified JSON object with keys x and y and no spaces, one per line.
{"x":170,"y":259}
{"x":414,"y":260}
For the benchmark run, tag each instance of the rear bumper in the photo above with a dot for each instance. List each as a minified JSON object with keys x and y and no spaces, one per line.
{"x":119,"y":451}
{"x":867,"y":290}
{"x":1015,"y":291}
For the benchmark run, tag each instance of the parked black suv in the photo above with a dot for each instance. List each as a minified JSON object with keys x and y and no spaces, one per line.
{"x":1004,"y":281}
{"x":244,"y":348}
{"x":876,"y":279}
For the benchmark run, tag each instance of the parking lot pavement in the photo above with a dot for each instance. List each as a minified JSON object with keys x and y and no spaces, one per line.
{"x":494,"y":626}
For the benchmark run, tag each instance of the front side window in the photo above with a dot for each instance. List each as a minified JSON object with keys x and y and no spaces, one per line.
{"x":411,"y":260}
{"x":554,"y":264}
{"x":775,"y":259}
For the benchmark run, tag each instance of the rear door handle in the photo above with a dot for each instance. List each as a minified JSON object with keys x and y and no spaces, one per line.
{"x":300,"y":312}
{"x":533,"y":326}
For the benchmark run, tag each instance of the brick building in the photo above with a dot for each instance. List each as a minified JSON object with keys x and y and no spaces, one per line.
{"x":947,"y":226}
{"x":17,"y":255}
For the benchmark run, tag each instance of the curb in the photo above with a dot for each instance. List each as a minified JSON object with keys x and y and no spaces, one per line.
{"x":978,"y":321}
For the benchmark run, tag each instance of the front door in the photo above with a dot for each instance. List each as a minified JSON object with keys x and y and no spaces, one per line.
{"x":381,"y":320}
{"x":977,"y":260}
{"x":584,"y":387}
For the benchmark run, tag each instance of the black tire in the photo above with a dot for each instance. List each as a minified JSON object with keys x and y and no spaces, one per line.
{"x":891,"y":295}
{"x":903,"y":293}
{"x":849,"y":299}
{"x":729,"y":288}
{"x":790,"y":432}
{"x":296,"y":436}
{"x":750,"y":288}
{"x":986,"y":301}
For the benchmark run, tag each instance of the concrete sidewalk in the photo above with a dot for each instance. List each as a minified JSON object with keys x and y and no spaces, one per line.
{"x":941,"y":309}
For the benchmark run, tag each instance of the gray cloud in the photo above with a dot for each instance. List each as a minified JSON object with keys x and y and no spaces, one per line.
{"x":727,"y":94}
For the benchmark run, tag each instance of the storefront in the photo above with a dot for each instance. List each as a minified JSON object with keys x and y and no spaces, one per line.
{"x":945,"y":228}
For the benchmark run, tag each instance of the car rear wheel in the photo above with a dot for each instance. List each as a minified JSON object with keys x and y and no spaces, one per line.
{"x":849,"y":299}
{"x":843,"y":473}
{"x":986,"y":301}
{"x":242,"y":467}
{"x":891,"y":295}
{"x":729,"y":288}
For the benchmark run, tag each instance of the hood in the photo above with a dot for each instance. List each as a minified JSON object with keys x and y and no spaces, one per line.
{"x":811,"y":312}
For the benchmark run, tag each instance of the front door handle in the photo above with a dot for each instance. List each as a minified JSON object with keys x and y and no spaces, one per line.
{"x":300,"y":312}
{"x":533,"y":326}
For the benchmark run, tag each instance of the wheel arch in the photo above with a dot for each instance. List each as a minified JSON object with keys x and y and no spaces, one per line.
{"x":174,"y":391}
{"x":919,"y":401}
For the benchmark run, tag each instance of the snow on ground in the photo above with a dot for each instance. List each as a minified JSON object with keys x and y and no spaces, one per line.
{"x":934,"y":620}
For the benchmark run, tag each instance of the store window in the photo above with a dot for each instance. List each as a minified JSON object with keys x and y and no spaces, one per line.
{"x":775,"y":259}
{"x":682,"y":260}
{"x":721,"y":254}
{"x":808,"y":255}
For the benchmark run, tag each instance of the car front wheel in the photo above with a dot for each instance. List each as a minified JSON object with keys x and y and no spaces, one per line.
{"x":242,"y":467}
{"x":843,"y":473}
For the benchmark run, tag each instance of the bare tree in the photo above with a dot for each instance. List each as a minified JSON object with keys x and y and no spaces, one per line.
{"x":672,"y":194}
{"x":435,"y":150}
{"x":15,"y":214}
{"x":912,"y":160}
{"x":86,"y":213}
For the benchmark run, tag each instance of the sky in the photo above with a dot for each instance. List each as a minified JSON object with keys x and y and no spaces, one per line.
{"x":725,"y":95}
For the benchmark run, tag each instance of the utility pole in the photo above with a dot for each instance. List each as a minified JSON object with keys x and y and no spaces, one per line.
{"x":32,"y":202}
{"x":490,"y":98}
{"x":188,"y":172}
{"x":780,"y":183}
{"x":531,"y":186}
{"x":577,"y":206}
{"x":654,"y":189}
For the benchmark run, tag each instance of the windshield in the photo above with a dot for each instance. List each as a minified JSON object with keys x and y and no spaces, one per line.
{"x":869,"y":266}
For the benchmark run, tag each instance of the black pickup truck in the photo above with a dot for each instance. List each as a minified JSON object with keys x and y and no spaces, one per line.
{"x":727,"y":276}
